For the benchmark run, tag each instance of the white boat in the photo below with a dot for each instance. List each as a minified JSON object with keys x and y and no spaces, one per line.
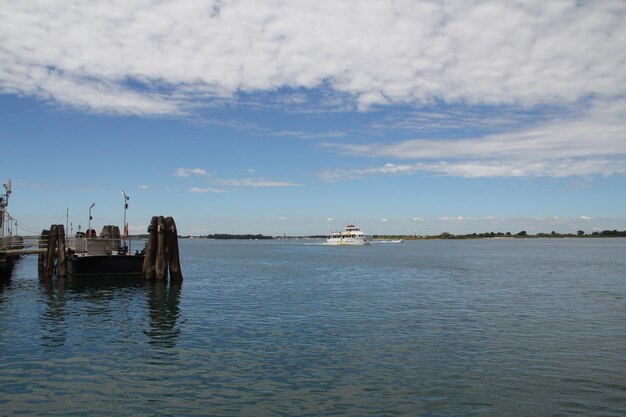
{"x":352,"y":235}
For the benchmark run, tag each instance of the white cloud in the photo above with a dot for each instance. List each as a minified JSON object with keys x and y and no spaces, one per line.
{"x":154,"y":57}
{"x":255,"y":183}
{"x":573,"y":137}
{"x":384,"y":220}
{"x":186,"y":172}
{"x":137,"y":230}
{"x":586,"y":218}
{"x":459,"y":218}
{"x":330,"y":219}
{"x":56,"y":186}
{"x":593,"y":143}
{"x":220,"y":184}
{"x":418,"y":219}
{"x":205,"y":190}
{"x":282,"y":218}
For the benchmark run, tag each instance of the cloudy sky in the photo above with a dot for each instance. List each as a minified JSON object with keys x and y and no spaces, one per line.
{"x":277,"y":116}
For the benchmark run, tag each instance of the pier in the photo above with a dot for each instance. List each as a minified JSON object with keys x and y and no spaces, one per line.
{"x":12,"y":248}
{"x":89,"y":255}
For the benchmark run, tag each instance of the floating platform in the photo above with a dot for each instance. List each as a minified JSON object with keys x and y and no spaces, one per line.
{"x":102,"y":257}
{"x":108,"y":256}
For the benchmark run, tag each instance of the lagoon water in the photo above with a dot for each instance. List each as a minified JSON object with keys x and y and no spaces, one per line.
{"x":296,"y":328}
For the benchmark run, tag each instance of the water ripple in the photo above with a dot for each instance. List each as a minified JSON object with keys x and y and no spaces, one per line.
{"x":281,"y":329}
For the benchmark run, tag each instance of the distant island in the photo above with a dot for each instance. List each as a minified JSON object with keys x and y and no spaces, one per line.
{"x":445,"y":235}
{"x":231,"y":236}
{"x":508,"y":235}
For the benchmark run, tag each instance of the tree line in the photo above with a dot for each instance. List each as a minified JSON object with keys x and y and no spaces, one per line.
{"x":233,"y":236}
{"x":521,"y":234}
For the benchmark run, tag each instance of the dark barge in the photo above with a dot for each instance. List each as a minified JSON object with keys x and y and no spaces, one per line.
{"x":108,"y":256}
{"x":104,"y":256}
{"x":105,"y":265}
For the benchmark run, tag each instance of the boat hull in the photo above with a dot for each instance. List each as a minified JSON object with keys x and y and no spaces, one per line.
{"x":6,"y":265}
{"x":105,"y":265}
{"x":348,"y":241}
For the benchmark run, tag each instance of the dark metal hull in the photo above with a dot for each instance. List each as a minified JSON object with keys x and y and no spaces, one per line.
{"x":105,"y":265}
{"x":7,"y":262}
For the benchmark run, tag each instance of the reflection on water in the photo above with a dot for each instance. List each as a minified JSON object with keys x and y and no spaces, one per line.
{"x":110,"y":301}
{"x":53,"y":326}
{"x":163,"y":308}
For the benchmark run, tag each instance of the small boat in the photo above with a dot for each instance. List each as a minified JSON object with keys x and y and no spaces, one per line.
{"x":352,"y":235}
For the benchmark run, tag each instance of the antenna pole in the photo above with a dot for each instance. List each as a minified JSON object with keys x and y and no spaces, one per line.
{"x":89,"y":226}
{"x":4,"y":202}
{"x":125,"y":226}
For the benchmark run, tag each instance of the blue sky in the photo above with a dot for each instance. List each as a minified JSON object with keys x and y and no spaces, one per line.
{"x":297,"y":117}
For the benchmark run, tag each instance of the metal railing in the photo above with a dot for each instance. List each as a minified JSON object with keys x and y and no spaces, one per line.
{"x":12,"y":242}
{"x":77,"y":244}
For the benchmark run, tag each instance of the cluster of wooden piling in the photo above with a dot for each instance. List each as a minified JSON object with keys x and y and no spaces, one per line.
{"x":110,"y":232}
{"x":52,"y":255}
{"x":162,"y":251}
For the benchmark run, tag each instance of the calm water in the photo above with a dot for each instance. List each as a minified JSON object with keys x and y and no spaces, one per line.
{"x":432,"y":328}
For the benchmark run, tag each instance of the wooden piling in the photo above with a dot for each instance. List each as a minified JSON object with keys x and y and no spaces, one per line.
{"x":117,"y":238}
{"x":51,"y":251}
{"x":115,"y":234}
{"x":41,"y":258}
{"x":61,"y":250}
{"x":172,"y":250}
{"x":112,"y":233}
{"x":151,"y":249}
{"x":161,"y":252}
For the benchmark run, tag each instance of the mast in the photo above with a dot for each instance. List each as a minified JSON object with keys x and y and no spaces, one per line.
{"x":124,"y":225}
{"x":4,"y":202}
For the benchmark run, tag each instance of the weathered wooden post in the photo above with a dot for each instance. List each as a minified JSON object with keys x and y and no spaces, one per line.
{"x":61,"y":250}
{"x":51,"y":251}
{"x":115,"y":235}
{"x":172,"y":250}
{"x":151,"y":247}
{"x":41,"y":259}
{"x":161,"y":252}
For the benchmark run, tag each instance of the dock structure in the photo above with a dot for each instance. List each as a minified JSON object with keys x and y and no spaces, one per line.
{"x":13,"y":248}
{"x":104,"y":256}
{"x":6,"y":243}
{"x":90,"y":255}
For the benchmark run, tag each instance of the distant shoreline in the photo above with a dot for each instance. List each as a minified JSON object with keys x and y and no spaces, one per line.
{"x":508,"y":235}
{"x":442,"y":236}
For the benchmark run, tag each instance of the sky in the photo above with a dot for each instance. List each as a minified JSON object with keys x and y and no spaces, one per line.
{"x":281,"y":117}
